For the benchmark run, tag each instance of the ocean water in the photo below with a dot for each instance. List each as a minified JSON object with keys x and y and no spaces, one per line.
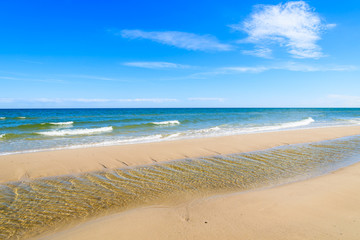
{"x":29,"y":130}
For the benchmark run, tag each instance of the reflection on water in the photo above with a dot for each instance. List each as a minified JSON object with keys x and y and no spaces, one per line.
{"x":29,"y":208}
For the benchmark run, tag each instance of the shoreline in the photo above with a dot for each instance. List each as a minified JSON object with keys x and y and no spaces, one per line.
{"x":73,"y":161}
{"x":325,"y":207}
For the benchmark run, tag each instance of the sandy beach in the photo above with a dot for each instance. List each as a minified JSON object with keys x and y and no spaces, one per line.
{"x":61,"y":162}
{"x":324,"y":207}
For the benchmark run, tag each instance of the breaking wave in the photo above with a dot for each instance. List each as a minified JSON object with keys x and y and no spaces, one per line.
{"x":300,"y":123}
{"x":60,"y":123}
{"x":174,"y":122}
{"x":67,"y":132}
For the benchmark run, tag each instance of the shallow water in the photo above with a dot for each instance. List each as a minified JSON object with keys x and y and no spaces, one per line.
{"x":32,"y":207}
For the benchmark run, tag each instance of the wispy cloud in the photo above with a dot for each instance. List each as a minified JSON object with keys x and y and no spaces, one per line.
{"x":293,"y":24}
{"x":87,"y":100}
{"x":92,"y":77}
{"x":291,"y":66}
{"x":154,"y":100}
{"x":206,"y":99}
{"x":243,"y":69}
{"x":343,"y":100}
{"x":287,"y":66}
{"x":7,"y":100}
{"x":47,"y":80}
{"x":189,"y":41}
{"x":263,"y":52}
{"x":155,"y":65}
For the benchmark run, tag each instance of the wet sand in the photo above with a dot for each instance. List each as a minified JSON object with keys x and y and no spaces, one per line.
{"x":61,"y":162}
{"x":325,"y":207}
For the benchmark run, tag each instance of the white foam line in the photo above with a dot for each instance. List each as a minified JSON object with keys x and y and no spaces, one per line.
{"x":61,"y":123}
{"x":173,"y":122}
{"x":86,"y":131}
{"x":153,"y":138}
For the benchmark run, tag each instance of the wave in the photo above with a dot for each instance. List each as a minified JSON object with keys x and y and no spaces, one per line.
{"x":85,"y":131}
{"x":2,"y":135}
{"x":221,"y":130}
{"x":225,"y":131}
{"x":173,"y":122}
{"x":144,"y":139}
{"x":351,"y":121}
{"x":355,"y":121}
{"x":39,"y":126}
{"x":295,"y":124}
{"x":300,"y":123}
{"x":207,"y":130}
{"x":2,"y":118}
{"x":60,"y":123}
{"x":20,"y":117}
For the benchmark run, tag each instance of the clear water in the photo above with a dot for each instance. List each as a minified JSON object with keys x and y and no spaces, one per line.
{"x":33,"y":207}
{"x":42,"y":129}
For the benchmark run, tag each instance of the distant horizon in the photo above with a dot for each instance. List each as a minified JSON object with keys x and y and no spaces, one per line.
{"x":182,"y":108}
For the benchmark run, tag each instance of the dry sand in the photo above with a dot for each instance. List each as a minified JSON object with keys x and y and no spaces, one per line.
{"x":62,"y":162}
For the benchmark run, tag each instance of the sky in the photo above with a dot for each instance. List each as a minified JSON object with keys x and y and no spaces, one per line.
{"x":75,"y":54}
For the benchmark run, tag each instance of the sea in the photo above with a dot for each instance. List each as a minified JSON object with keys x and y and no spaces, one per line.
{"x":32,"y":130}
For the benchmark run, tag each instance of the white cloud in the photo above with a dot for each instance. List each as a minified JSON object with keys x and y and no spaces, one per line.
{"x":263,"y":52}
{"x":189,"y":41}
{"x":246,"y":69}
{"x":290,"y":66}
{"x":48,"y":80}
{"x":155,"y":100}
{"x":206,"y":99}
{"x":101,"y":78}
{"x":155,"y":65}
{"x":293,"y":24}
{"x":287,"y":66}
{"x":86,"y":100}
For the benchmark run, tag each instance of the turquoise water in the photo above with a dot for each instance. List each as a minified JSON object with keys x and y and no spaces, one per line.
{"x":43,"y":129}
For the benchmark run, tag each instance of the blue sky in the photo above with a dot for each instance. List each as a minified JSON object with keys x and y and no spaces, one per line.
{"x":179,"y":54}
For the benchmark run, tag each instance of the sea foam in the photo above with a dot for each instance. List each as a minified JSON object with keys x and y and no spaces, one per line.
{"x":226,"y":131}
{"x":355,"y":121}
{"x":173,"y":122}
{"x":86,"y":131}
{"x":2,"y":135}
{"x":289,"y":124}
{"x":60,"y":123}
{"x":295,"y":124}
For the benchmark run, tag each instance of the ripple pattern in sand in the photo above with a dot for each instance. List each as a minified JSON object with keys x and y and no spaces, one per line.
{"x":30,"y":208}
